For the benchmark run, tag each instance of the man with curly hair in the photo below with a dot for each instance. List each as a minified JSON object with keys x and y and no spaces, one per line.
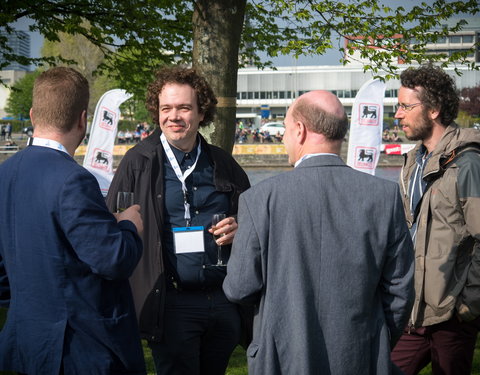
{"x":181,"y":181}
{"x":440,"y":183}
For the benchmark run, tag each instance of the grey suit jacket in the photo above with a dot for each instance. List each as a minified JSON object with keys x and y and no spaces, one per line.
{"x":324,"y":254}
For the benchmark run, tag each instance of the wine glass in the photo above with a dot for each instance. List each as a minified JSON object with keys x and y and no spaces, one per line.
{"x":124,"y":200}
{"x":216,"y":218}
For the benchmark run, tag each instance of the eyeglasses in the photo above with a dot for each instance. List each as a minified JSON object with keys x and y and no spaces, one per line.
{"x":407,"y":107}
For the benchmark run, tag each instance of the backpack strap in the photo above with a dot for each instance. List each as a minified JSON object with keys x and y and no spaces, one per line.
{"x":472,"y":147}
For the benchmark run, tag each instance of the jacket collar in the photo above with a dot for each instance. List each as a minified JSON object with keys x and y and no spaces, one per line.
{"x":322,"y":161}
{"x":452,"y":139}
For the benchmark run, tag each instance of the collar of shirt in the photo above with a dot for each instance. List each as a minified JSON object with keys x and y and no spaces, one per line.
{"x":185,"y":159}
{"x":308,"y":156}
{"x":45,"y":142}
{"x":421,"y":156}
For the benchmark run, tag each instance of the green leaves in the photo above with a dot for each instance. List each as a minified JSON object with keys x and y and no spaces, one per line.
{"x":138,"y":36}
{"x":19,"y":101}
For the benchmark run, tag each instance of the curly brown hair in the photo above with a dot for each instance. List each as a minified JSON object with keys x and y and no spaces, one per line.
{"x":438,"y":90}
{"x":206,"y":99}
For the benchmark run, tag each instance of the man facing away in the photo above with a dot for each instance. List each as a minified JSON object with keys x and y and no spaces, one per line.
{"x":325,"y":255}
{"x":181,"y":181}
{"x":64,"y":258}
{"x":440,"y":185}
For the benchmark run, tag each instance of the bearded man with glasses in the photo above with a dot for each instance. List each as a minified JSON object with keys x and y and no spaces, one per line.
{"x":440,"y":184}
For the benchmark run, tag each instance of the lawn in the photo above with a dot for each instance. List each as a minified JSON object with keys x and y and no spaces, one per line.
{"x":238,"y":362}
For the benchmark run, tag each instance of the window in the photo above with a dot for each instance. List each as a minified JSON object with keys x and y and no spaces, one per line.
{"x":468,"y":39}
{"x":455,"y":39}
{"x":442,"y":40}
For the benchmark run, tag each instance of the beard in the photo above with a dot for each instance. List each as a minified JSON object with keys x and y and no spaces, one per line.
{"x":422,"y":129}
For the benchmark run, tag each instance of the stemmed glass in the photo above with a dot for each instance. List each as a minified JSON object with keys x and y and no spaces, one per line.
{"x":216,"y":218}
{"x":124,"y":200}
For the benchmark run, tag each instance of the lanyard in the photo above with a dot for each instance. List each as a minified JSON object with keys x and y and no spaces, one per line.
{"x":182,"y":177}
{"x":44,"y":142}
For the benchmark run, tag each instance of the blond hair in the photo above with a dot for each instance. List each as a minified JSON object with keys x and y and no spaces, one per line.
{"x":60,"y":95}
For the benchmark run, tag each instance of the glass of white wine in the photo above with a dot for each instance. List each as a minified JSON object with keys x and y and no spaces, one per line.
{"x":216,"y":218}
{"x":124,"y":200}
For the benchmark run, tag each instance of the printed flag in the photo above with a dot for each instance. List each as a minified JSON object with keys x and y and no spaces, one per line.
{"x":366,"y":126}
{"x":99,"y":155}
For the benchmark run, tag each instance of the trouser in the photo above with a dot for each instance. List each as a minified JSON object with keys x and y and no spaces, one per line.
{"x":201,"y":330}
{"x":448,"y":345}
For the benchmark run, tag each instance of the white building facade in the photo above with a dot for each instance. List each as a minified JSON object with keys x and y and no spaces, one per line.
{"x":268,"y":93}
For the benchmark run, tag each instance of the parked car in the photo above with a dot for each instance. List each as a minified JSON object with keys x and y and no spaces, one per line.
{"x":273,"y":128}
{"x":28,"y":131}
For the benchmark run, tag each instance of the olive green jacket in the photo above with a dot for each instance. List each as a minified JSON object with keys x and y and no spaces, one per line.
{"x":447,"y":246}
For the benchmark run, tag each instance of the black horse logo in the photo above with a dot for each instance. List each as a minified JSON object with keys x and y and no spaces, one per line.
{"x":365,"y":154}
{"x":101,"y":158}
{"x":369,"y":113}
{"x":108,"y":118}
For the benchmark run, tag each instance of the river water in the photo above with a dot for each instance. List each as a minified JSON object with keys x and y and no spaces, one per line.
{"x":258,"y":174}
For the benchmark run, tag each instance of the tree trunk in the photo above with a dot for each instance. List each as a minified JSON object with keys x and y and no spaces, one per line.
{"x":217,"y":27}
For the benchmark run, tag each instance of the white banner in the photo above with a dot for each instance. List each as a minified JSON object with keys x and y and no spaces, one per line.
{"x":99,"y":156}
{"x":365,"y":138}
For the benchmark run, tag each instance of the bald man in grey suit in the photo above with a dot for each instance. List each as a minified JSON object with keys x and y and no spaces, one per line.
{"x":324,"y":254}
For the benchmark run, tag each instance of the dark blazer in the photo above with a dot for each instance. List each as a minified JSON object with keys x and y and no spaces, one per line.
{"x":64,"y":268}
{"x":324,"y":253}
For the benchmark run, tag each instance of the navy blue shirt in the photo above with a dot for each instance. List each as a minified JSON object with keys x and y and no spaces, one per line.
{"x":191,"y":270}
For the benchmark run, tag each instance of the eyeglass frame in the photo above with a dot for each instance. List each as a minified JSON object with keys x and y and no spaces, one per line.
{"x":407,"y":107}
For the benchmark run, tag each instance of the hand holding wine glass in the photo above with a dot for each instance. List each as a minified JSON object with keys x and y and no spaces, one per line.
{"x":124,"y":200}
{"x":217,"y":218}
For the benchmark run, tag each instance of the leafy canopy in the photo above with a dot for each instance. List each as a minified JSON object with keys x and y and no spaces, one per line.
{"x":138,"y":36}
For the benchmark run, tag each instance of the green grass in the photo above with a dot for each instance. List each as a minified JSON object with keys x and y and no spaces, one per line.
{"x":238,"y":361}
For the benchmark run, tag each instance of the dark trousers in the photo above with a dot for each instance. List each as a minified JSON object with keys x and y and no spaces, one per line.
{"x":448,"y":345}
{"x":201,"y":330}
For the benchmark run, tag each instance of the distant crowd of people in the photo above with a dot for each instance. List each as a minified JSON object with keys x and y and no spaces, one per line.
{"x":141,"y":132}
{"x":251,"y":135}
{"x":6,"y":131}
{"x":389,"y":135}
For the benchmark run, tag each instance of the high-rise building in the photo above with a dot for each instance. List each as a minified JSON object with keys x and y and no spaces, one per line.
{"x":19,"y":42}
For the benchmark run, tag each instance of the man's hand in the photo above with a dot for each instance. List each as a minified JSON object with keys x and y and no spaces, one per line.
{"x":226,"y":229}
{"x":132,"y":214}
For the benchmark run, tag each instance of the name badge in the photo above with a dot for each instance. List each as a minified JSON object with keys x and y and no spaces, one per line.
{"x":188,"y":240}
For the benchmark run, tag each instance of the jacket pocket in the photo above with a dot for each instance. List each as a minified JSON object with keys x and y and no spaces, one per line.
{"x":252,"y":350}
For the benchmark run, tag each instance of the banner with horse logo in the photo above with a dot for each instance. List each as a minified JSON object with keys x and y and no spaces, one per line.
{"x":99,"y":155}
{"x":366,"y":126}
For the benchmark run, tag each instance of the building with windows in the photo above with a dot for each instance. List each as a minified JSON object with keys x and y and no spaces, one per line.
{"x":19,"y":42}
{"x":268,"y":93}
